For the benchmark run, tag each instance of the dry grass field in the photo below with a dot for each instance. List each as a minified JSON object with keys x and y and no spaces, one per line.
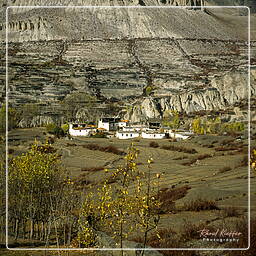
{"x":218,"y":171}
{"x":208,"y":186}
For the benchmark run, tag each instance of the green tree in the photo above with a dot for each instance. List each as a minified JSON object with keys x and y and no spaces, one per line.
{"x":173,"y":121}
{"x":73,"y":102}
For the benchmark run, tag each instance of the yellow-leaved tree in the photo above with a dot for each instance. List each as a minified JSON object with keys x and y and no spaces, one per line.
{"x":37,"y":188}
{"x":126,"y":204}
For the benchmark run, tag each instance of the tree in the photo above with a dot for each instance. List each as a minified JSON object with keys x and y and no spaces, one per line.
{"x":35,"y":184}
{"x":253,"y":159}
{"x":173,"y":121}
{"x":75,"y":101}
{"x":123,"y":205}
{"x":12,"y":118}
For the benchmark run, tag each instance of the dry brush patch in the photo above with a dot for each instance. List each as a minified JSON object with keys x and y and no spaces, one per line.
{"x":242,"y":226}
{"x":109,"y":149}
{"x":168,"y":196}
{"x":229,"y":211}
{"x":224,"y":169}
{"x":82,"y":181}
{"x":200,"y":205}
{"x":92,"y":169}
{"x":166,"y":238}
{"x":154,"y":144}
{"x":179,"y":149}
{"x":197,"y":158}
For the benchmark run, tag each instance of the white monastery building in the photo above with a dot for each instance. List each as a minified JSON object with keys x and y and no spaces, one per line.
{"x":81,"y":130}
{"x":153,"y":135}
{"x":123,"y":135}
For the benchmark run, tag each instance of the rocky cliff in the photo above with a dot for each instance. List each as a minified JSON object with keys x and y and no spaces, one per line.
{"x":116,"y":54}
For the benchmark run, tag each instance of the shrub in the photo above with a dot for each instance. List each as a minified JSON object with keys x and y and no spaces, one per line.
{"x":13,"y":118}
{"x":225,"y":169}
{"x":190,"y":230}
{"x":58,"y":132}
{"x":179,"y":149}
{"x":82,"y":181}
{"x":200,"y":205}
{"x":230,"y":211}
{"x":168,"y":196}
{"x":50,"y":127}
{"x":54,"y":129}
{"x":109,"y":149}
{"x":242,"y":226}
{"x":65,"y":128}
{"x":221,"y":148}
{"x":253,"y":159}
{"x":195,"y":159}
{"x":153,"y":144}
{"x":98,"y":135}
{"x":166,"y":238}
{"x":71,"y":144}
{"x":92,"y":169}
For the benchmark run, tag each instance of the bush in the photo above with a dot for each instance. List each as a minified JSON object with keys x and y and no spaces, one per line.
{"x":197,"y":158}
{"x":179,"y":149}
{"x":230,"y":211}
{"x":242,"y":226}
{"x":168,"y":196}
{"x":58,"y":132}
{"x":190,"y":230}
{"x":153,"y":144}
{"x":12,"y":118}
{"x":200,"y":205}
{"x":166,"y":238}
{"x":50,"y":127}
{"x":65,"y":128}
{"x":98,"y":135}
{"x":82,"y":181}
{"x":225,"y":169}
{"x":109,"y":149}
{"x":54,"y":129}
{"x":92,"y":169}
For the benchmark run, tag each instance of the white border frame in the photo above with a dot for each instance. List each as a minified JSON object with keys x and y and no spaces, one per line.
{"x":134,"y":249}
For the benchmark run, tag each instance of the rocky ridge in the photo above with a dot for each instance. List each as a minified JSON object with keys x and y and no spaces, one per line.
{"x":190,"y":67}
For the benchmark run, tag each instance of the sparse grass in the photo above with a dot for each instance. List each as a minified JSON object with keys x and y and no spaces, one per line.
{"x":110,"y":149}
{"x":153,"y":144}
{"x":179,"y":149}
{"x":200,"y":205}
